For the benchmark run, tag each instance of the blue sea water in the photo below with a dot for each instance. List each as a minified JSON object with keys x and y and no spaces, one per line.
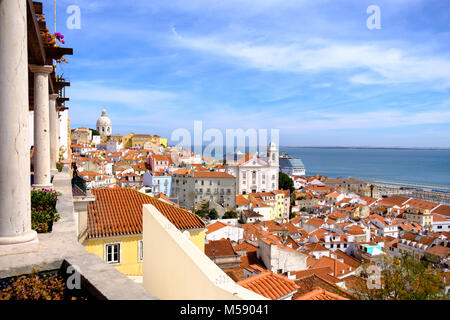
{"x":415,"y":166}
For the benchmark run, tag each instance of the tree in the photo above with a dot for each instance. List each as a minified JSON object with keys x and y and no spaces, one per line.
{"x":292,"y":215}
{"x":212,"y":214}
{"x":230,"y":215}
{"x":94,"y":132}
{"x":403,"y":279}
{"x":203,"y":212}
{"x":285,"y":182}
{"x":372,"y":187}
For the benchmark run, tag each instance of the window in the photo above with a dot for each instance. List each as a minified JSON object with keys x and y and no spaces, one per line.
{"x":112,"y":251}
{"x":141,"y":251}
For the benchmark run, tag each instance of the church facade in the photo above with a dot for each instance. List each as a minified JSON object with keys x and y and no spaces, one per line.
{"x":254,"y":173}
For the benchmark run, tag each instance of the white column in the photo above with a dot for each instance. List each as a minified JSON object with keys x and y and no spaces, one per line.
{"x":15,"y":207}
{"x":41,"y":127}
{"x":54,"y":141}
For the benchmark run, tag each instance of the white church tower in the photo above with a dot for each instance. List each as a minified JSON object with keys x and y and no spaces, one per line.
{"x":104,"y":125}
{"x":272,"y":155}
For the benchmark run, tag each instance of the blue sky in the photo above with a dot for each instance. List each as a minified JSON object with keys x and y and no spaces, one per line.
{"x":309,"y":68}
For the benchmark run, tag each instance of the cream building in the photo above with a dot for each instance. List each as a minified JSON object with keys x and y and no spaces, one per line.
{"x":104,"y":125}
{"x":254,"y":174}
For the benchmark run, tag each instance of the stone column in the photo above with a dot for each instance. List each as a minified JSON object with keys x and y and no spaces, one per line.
{"x":42,"y":176}
{"x":15,"y":216}
{"x":54,"y":139}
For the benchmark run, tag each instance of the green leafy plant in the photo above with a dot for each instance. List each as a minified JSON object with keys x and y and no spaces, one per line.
{"x":38,"y":287}
{"x":404,"y":278}
{"x":59,"y":166}
{"x":230,"y":215}
{"x":43,"y":210}
{"x":285,"y":182}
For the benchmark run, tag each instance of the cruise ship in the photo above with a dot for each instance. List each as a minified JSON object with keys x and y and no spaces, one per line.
{"x":291,"y":166}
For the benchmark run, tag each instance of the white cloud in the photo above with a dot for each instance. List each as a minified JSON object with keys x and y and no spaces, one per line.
{"x":376,"y":63}
{"x":138,"y":99}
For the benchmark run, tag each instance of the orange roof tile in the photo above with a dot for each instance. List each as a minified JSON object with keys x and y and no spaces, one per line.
{"x":420,"y":204}
{"x":212,"y":174}
{"x":118,"y":211}
{"x":217,"y":248}
{"x":269,"y":285}
{"x":442,"y":210}
{"x":320,"y":294}
{"x":338,"y":267}
{"x":216,"y":226}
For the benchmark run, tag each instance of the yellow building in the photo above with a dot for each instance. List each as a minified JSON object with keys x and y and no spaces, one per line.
{"x":114,"y":227}
{"x":421,"y":216}
{"x":127,"y":140}
{"x":278,"y":212}
{"x":138,"y":140}
{"x":273,"y":199}
{"x":163,"y":141}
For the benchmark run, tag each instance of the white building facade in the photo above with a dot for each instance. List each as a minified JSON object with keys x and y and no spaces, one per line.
{"x":254,"y":174}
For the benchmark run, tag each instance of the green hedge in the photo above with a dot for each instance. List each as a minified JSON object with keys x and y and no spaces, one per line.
{"x":43,"y":210}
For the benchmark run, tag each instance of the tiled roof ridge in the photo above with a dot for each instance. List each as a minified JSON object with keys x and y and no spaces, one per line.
{"x":118,"y":212}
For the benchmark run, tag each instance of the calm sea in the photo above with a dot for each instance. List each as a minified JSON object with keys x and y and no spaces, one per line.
{"x":415,"y":166}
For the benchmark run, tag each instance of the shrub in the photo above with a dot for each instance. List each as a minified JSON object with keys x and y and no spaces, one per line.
{"x":59,"y":166}
{"x":38,"y":287}
{"x":230,"y":215}
{"x":43,"y":210}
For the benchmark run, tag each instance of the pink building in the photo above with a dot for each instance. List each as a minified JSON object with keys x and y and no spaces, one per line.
{"x":158,"y":162}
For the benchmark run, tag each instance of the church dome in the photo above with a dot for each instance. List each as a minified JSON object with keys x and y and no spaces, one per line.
{"x":104,"y":121}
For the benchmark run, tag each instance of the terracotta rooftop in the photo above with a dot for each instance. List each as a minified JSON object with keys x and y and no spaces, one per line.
{"x":118,"y":212}
{"x":252,"y":214}
{"x":246,"y":246}
{"x":269,"y":285}
{"x":241,"y":200}
{"x":320,"y":294}
{"x":354,"y":263}
{"x":216,"y":226}
{"x":442,"y":210}
{"x":339,"y":268}
{"x":421,"y":204}
{"x":439,"y":251}
{"x":235,"y":273}
{"x":219,"y":248}
{"x":212,"y":175}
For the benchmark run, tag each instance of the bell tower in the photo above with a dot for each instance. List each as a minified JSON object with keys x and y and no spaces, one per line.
{"x":272,"y":155}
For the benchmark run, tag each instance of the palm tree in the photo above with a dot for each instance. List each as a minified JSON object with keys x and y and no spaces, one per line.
{"x":371,"y":190}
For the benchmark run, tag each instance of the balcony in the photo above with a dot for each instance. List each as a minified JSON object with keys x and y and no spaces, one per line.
{"x":60,"y":250}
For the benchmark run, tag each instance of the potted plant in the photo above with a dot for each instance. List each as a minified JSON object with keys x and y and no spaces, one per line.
{"x":43,"y":210}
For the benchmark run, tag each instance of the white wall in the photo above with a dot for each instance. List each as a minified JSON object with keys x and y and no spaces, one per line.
{"x":232,"y":233}
{"x":175,"y":268}
{"x":275,"y":258}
